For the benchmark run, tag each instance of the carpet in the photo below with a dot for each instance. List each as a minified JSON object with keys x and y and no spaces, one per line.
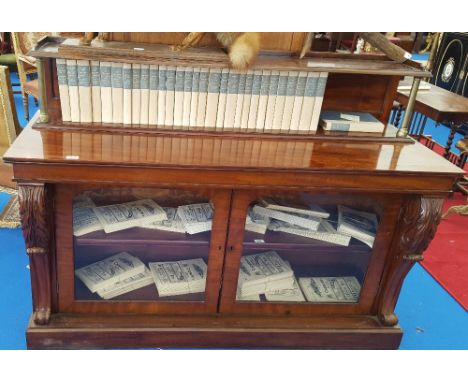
{"x":446,"y":258}
{"x":9,"y":217}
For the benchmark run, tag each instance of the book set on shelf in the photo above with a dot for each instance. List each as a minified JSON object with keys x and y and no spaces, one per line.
{"x":170,"y":201}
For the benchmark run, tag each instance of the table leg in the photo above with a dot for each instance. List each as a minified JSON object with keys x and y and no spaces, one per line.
{"x":453,"y":129}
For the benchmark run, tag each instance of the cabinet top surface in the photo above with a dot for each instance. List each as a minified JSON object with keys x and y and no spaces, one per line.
{"x":233,"y":153}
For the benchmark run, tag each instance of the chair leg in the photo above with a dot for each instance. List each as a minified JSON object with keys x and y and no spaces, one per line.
{"x":26,"y":106}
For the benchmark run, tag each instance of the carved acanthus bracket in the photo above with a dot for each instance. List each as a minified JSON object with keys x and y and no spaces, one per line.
{"x":417,"y":225}
{"x":34,"y":221}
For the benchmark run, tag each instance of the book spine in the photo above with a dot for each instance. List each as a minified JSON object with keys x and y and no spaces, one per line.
{"x":162,"y":95}
{"x":153,"y":95}
{"x":240,"y":102}
{"x":144,"y":86}
{"x":136,"y":93}
{"x":84,"y":90}
{"x":222,"y":99}
{"x":247,"y":100}
{"x":188,"y":80}
{"x":308,"y":102}
{"x":321,"y":86}
{"x":231,"y":100}
{"x":170,"y":90}
{"x":270,"y":109}
{"x":96,"y":91}
{"x":289,"y":102}
{"x":263,"y":99}
{"x":117,"y":92}
{"x":298,"y":101}
{"x":63,"y":89}
{"x":127,"y":93}
{"x":106,"y":92}
{"x":72,"y":79}
{"x":194,"y":98}
{"x":214,"y":83}
{"x":202,"y":97}
{"x":254,"y":100}
{"x":280,"y":101}
{"x":179,"y":96}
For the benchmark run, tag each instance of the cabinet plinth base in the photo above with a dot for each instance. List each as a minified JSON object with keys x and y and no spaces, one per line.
{"x":66,"y":331}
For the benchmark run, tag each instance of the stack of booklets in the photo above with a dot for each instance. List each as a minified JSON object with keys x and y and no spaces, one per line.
{"x":358,"y":224}
{"x":196,"y":217}
{"x":190,"y":97}
{"x":174,"y":278}
{"x":256,"y":223}
{"x":350,"y":121}
{"x":84,"y":219}
{"x":173,"y":223}
{"x":330,"y":289}
{"x":117,"y":217}
{"x":293,"y":294}
{"x":115,"y":275}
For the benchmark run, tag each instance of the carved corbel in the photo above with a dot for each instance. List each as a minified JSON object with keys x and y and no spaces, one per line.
{"x":417,"y":224}
{"x":34,"y":220}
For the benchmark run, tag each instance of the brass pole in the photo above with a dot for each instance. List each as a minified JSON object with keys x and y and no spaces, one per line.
{"x":43,"y":116}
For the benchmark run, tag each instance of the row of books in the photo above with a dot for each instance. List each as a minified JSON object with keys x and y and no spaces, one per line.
{"x":123,"y":273}
{"x":145,"y":213}
{"x":269,"y":275}
{"x":190,"y":97}
{"x":311,"y":221}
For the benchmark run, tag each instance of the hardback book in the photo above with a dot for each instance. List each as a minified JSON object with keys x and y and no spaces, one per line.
{"x":187,"y":104}
{"x":127,"y":78}
{"x":110,"y":271}
{"x":96,"y":91}
{"x":257,"y":81}
{"x":144,"y":86}
{"x":72,"y":79}
{"x":308,"y":102}
{"x":84,"y":90}
{"x":153,"y":95}
{"x":325,"y":232}
{"x":298,"y":101}
{"x":321,"y":86}
{"x":174,"y":278}
{"x":263,"y":272}
{"x":196,"y":217}
{"x":117,"y":92}
{"x":117,"y":217}
{"x":231,"y":99}
{"x":280,"y":101}
{"x":170,"y":93}
{"x":301,"y":220}
{"x":293,"y":294}
{"x":194,"y":98}
{"x":256,"y":223}
{"x":162,"y":95}
{"x":240,"y":102}
{"x":179,"y":96}
{"x":63,"y":89}
{"x":202,"y":97}
{"x":350,"y":121}
{"x":358,"y":224}
{"x":330,"y":289}
{"x":127,"y":285}
{"x":289,"y":99}
{"x":247,"y":99}
{"x":106,"y":92}
{"x":223,"y":87}
{"x":214,"y":83}
{"x":173,"y":223}
{"x":136,"y":93}
{"x":299,"y":207}
{"x":271,"y":101}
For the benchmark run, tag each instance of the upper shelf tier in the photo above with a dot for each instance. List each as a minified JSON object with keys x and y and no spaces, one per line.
{"x":131,"y":52}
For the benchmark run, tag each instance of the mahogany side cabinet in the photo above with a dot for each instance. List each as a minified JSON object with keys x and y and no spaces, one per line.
{"x":402,"y":183}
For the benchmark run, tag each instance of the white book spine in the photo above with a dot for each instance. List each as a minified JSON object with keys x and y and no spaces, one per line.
{"x":263,"y":100}
{"x":106,"y":92}
{"x":84,"y":90}
{"x":202,"y":98}
{"x":153,"y":95}
{"x":194,"y":98}
{"x":254,"y":100}
{"x":222,"y":99}
{"x":117,"y":92}
{"x":136,"y":93}
{"x":179,"y":96}
{"x":127,"y":93}
{"x":231,"y":100}
{"x":96,"y":91}
{"x":63,"y":89}
{"x":214,"y":83}
{"x":240,"y":101}
{"x":289,"y":102}
{"x":280,"y":101}
{"x":188,"y":80}
{"x":144,"y":85}
{"x":162,"y":95}
{"x":271,"y":101}
{"x":321,"y":86}
{"x":307,"y":110}
{"x":72,"y":76}
{"x":170,"y":87}
{"x":247,"y":100}
{"x":298,"y":101}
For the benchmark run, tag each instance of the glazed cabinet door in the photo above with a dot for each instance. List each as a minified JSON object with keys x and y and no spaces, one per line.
{"x":124,"y":250}
{"x":293,"y":252}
